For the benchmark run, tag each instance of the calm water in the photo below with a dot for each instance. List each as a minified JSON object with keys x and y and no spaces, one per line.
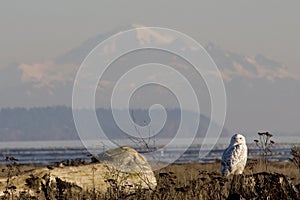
{"x":48,"y":152}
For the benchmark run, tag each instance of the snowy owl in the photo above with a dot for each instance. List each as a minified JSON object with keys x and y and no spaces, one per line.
{"x":235,"y":156}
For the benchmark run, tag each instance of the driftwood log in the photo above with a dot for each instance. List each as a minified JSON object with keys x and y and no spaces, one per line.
{"x":262,"y":186}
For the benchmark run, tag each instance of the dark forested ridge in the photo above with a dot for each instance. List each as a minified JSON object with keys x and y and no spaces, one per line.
{"x":56,"y":123}
{"x":47,"y":123}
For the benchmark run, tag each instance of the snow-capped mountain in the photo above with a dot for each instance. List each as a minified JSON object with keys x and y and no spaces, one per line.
{"x":255,"y":85}
{"x":61,"y":71}
{"x":234,"y":65}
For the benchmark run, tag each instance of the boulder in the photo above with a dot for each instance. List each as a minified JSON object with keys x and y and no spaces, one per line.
{"x":122,"y":168}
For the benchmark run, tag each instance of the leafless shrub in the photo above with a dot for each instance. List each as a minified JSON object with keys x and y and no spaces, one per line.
{"x":295,"y":152}
{"x":12,"y":168}
{"x":264,"y":143}
{"x":117,"y":181}
{"x":46,"y":187}
{"x":145,"y":144}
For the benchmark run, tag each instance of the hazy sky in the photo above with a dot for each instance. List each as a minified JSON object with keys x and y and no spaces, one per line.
{"x":34,"y":31}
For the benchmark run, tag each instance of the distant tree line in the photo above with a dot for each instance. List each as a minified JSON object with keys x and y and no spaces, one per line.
{"x":56,"y":123}
{"x":47,"y":123}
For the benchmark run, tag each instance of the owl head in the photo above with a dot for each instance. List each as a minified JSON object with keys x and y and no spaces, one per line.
{"x":238,"y":139}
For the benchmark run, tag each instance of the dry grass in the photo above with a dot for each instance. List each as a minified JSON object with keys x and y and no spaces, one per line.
{"x":17,"y":169}
{"x":176,"y":181}
{"x":188,"y":171}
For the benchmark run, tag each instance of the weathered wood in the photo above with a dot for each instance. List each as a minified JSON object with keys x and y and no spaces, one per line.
{"x":262,"y":186}
{"x":123,"y":167}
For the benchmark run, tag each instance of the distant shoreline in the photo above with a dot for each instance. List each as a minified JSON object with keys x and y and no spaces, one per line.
{"x":159,"y":142}
{"x":47,"y":152}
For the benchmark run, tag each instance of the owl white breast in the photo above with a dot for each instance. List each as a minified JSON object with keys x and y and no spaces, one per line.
{"x":235,"y":156}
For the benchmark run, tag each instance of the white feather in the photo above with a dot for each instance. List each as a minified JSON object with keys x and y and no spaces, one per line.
{"x":235,"y":156}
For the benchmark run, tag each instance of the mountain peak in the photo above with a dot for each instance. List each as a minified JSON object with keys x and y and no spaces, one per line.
{"x":233,"y":65}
